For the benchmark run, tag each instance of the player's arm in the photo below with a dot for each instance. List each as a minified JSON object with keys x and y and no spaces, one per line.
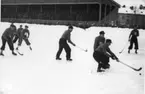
{"x":105,"y":52}
{"x":130,"y":35}
{"x":95,"y":43}
{"x":113,"y":56}
{"x":13,"y":34}
{"x":69,"y":40}
{"x":28,"y":33}
{"x":137,"y":33}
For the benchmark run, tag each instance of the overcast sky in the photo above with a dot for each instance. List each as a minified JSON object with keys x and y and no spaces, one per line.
{"x":130,"y":2}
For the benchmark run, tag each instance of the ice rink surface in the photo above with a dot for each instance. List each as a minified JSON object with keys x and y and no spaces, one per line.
{"x":37,"y":72}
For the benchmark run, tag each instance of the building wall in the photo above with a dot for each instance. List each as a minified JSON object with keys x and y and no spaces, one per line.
{"x":130,"y":20}
{"x":88,"y":12}
{"x":110,"y":19}
{"x":18,"y":2}
{"x":73,"y":12}
{"x":78,"y":12}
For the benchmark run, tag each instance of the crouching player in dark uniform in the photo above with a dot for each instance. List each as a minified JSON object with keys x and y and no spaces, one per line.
{"x":24,"y":35}
{"x":102,"y":55}
{"x":7,"y":36}
{"x":63,"y":44}
{"x":133,"y":39}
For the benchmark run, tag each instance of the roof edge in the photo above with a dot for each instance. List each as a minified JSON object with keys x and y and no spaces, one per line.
{"x":116,"y":3}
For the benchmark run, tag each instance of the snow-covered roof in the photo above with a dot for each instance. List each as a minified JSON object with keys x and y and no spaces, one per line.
{"x":129,"y":11}
{"x":128,"y":4}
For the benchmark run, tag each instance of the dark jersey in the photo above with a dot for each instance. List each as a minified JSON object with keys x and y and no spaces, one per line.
{"x":9,"y":33}
{"x":25,"y":33}
{"x":15,"y":27}
{"x":134,"y":34}
{"x":19,"y":31}
{"x":98,"y":40}
{"x":66,"y":35}
{"x":104,"y":49}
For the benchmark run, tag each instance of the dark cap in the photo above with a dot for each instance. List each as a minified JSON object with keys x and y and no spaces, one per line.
{"x":102,"y":32}
{"x":135,"y":27}
{"x":70,"y":27}
{"x":12,"y":25}
{"x":26,"y":26}
{"x":108,"y":41}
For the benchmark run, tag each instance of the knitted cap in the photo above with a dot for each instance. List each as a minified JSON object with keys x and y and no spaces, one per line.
{"x":102,"y":32}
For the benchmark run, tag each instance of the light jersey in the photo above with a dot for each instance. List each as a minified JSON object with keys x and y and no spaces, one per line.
{"x":66,"y":35}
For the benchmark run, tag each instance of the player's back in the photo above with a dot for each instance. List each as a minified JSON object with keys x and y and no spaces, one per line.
{"x":65,"y":35}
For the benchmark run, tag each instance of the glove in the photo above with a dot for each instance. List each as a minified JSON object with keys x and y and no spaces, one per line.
{"x":74,"y":45}
{"x":117,"y":60}
{"x":113,"y":57}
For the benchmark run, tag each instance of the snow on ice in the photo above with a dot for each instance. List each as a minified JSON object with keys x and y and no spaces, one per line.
{"x":37,"y":72}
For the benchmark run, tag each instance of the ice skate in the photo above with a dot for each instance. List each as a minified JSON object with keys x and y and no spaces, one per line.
{"x":136,"y":51}
{"x":14,"y":53}
{"x":1,"y":54}
{"x":107,"y":66}
{"x":69,"y":59}
{"x":17,"y":48}
{"x":129,"y":51}
{"x":58,"y":58}
{"x":99,"y":70}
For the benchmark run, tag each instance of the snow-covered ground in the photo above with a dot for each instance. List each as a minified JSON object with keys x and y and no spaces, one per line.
{"x":37,"y":72}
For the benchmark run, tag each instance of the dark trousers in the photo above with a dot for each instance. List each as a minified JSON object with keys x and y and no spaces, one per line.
{"x":21,"y":40}
{"x":102,"y":59}
{"x":135,"y":42}
{"x":9,"y":41}
{"x":63,"y":45}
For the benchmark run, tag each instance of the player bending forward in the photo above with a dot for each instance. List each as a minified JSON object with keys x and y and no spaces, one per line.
{"x":7,"y":37}
{"x":102,"y":55}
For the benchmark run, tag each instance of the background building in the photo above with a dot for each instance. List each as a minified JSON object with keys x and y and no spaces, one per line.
{"x":131,"y":13}
{"x":131,"y":20}
{"x":89,"y":12}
